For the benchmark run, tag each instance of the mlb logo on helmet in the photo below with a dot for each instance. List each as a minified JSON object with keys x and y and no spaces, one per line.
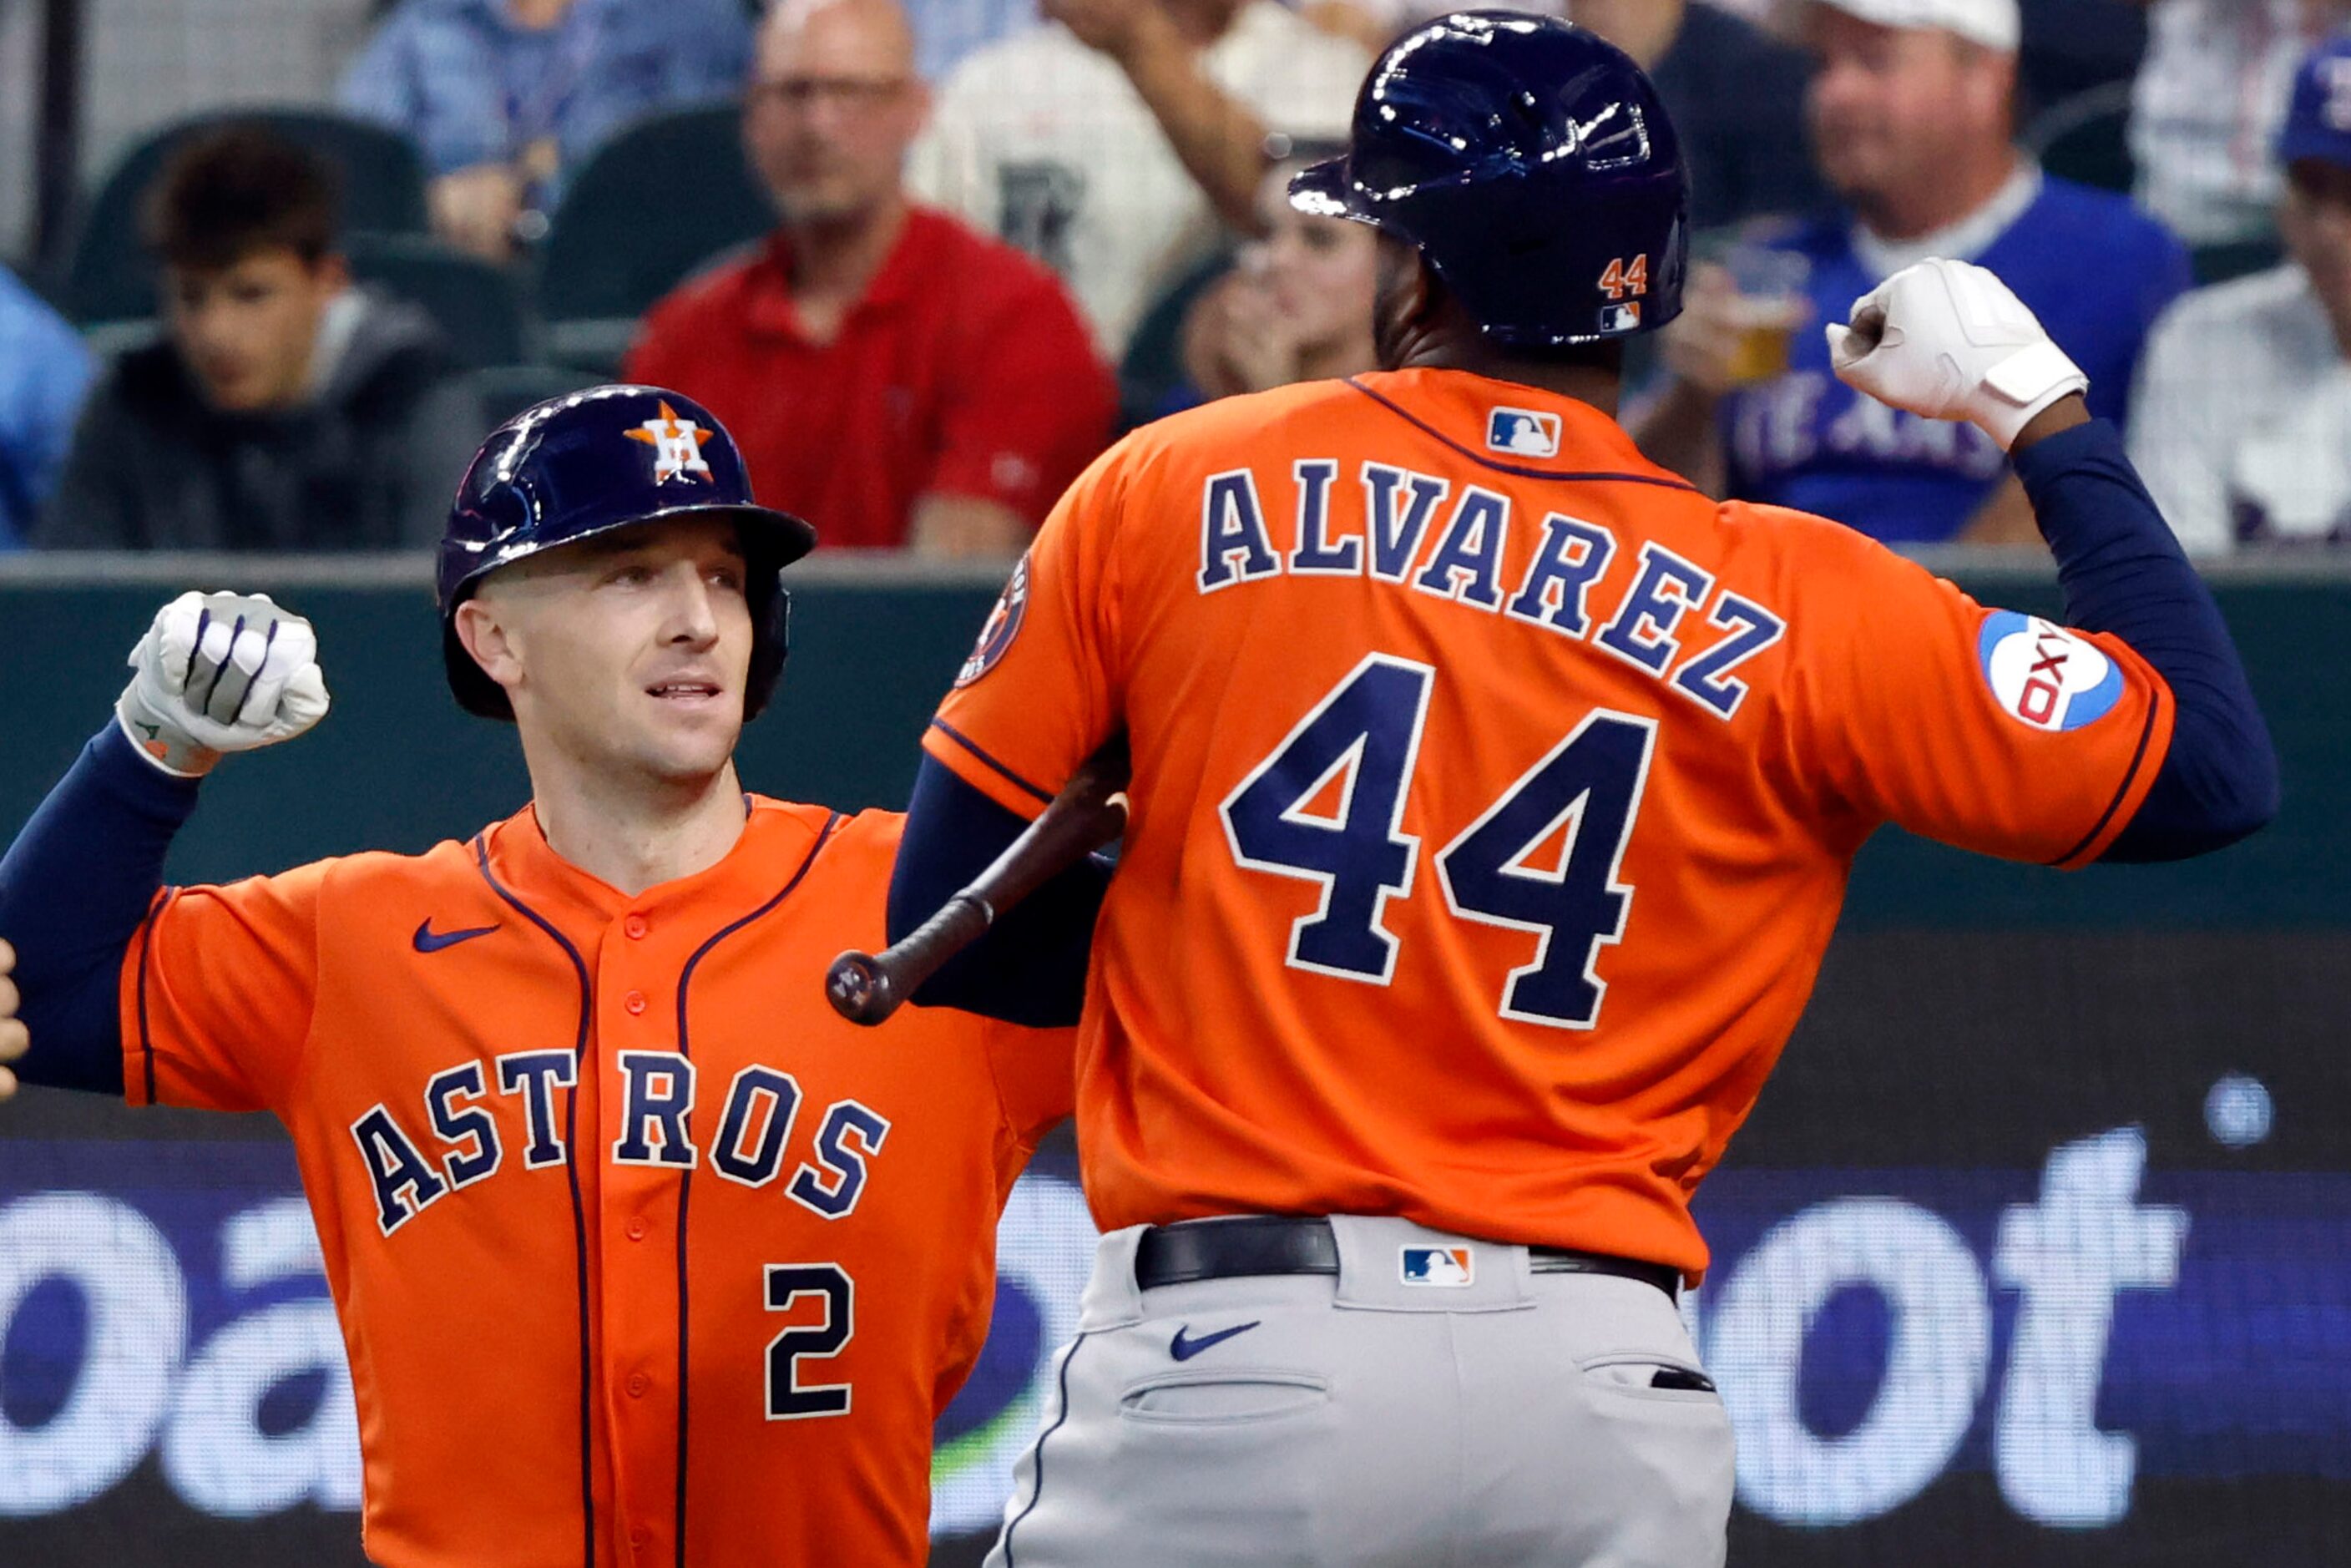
{"x":1624,"y":317}
{"x":2042,"y":674}
{"x":1522,"y":431}
{"x":1450,"y":1267}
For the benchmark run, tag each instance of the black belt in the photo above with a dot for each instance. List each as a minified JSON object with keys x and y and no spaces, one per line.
{"x":1295,"y":1244}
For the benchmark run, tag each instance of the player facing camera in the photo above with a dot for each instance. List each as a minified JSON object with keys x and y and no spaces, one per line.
{"x":725,"y":1261}
{"x":626,"y":613}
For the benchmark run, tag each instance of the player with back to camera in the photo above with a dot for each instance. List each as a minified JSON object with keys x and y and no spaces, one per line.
{"x":632,"y":1266}
{"x":1493,"y":796}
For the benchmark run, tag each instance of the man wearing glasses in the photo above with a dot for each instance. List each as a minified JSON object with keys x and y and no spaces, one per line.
{"x":886,"y":370}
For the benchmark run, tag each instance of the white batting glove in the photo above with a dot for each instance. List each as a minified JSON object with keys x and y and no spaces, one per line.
{"x":1948,"y":340}
{"x":219,"y":673}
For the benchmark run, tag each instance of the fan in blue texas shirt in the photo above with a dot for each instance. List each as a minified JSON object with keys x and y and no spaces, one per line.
{"x":2095,"y":270}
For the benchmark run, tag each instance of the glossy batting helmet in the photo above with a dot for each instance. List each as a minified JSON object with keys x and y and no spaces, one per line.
{"x":591,"y":462}
{"x":1534,"y":166}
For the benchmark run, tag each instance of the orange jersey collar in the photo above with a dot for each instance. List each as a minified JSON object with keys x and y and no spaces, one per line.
{"x":577,"y":901}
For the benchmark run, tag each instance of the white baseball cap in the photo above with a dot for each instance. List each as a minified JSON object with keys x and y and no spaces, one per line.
{"x":1991,"y":23}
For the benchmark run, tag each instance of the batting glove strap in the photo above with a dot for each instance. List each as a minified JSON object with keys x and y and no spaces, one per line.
{"x":2026,"y":382}
{"x":160,"y":741}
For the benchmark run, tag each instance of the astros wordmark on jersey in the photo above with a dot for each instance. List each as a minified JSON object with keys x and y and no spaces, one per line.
{"x":1494,"y":796}
{"x":604,"y":1222}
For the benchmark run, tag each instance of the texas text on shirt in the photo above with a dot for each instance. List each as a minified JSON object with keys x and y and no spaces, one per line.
{"x":738,"y":1222}
{"x":1340,"y":872}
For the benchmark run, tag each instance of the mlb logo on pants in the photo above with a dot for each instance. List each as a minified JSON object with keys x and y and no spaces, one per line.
{"x":1437,"y":1266}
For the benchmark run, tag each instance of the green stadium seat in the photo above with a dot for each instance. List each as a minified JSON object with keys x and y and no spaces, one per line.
{"x":2086,"y":138}
{"x":108,"y":276}
{"x":651,"y":205}
{"x":477,"y":305}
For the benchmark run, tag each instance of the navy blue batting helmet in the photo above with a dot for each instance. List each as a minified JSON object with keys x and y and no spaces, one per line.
{"x":1532,"y":163}
{"x":590,"y":462}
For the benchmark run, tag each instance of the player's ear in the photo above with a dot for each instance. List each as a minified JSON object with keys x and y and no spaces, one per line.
{"x":488,"y":636}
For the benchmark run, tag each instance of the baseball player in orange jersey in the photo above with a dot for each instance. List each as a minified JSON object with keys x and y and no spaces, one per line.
{"x":1493,"y":796}
{"x":634,"y":1268}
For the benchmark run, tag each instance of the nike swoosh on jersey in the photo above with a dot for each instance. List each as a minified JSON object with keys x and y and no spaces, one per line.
{"x":430,"y":941}
{"x":1183,"y":1349}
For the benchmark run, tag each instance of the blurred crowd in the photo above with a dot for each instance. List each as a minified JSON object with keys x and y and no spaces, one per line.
{"x":926,"y":263}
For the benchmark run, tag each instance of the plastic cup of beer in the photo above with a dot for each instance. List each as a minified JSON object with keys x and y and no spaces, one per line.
{"x":1770,"y":307}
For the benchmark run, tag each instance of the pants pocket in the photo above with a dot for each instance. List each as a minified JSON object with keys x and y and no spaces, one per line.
{"x":1649,"y":1375}
{"x":1223,"y":1397}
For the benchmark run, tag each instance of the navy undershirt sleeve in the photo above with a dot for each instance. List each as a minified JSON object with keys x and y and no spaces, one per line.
{"x":1030,"y":967}
{"x":73,"y":889}
{"x":2121,"y":570}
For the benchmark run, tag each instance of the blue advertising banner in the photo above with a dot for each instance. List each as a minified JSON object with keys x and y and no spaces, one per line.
{"x":2078,"y":1335}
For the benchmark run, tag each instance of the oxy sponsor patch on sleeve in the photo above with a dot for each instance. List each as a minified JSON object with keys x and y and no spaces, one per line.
{"x":1003,"y":625}
{"x":2044,"y":675}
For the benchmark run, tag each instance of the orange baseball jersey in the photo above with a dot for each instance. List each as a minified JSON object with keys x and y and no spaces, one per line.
{"x":1494,"y":794}
{"x":634,"y":1267}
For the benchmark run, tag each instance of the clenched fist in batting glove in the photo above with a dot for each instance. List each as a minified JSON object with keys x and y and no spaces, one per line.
{"x":219,"y":673}
{"x":1947,"y":339}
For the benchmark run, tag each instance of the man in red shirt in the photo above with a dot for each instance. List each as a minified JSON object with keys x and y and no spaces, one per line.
{"x":891,"y":374}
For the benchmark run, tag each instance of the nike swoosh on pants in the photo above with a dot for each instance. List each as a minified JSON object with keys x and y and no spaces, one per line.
{"x":1183,"y":1349}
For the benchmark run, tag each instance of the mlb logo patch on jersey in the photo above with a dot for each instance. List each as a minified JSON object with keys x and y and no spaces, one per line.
{"x":1447,"y":1267}
{"x":2044,"y":675}
{"x":1522,"y":433}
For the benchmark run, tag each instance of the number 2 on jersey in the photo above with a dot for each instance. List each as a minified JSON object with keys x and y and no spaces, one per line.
{"x":1327,"y":806}
{"x":789,"y":1400}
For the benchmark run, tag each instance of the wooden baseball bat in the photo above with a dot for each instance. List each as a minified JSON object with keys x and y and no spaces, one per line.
{"x":1089,"y":812}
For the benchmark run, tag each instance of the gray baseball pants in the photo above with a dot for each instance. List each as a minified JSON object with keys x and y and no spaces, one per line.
{"x":1514,"y":1420}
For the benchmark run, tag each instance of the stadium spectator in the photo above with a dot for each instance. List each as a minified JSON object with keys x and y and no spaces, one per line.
{"x":1298,"y":307}
{"x":1910,"y":109}
{"x":505,"y":97}
{"x":2242,"y":421}
{"x":2206,"y":107}
{"x":44,"y":372}
{"x":284,"y":410}
{"x":1108,"y":142}
{"x":891,"y":375}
